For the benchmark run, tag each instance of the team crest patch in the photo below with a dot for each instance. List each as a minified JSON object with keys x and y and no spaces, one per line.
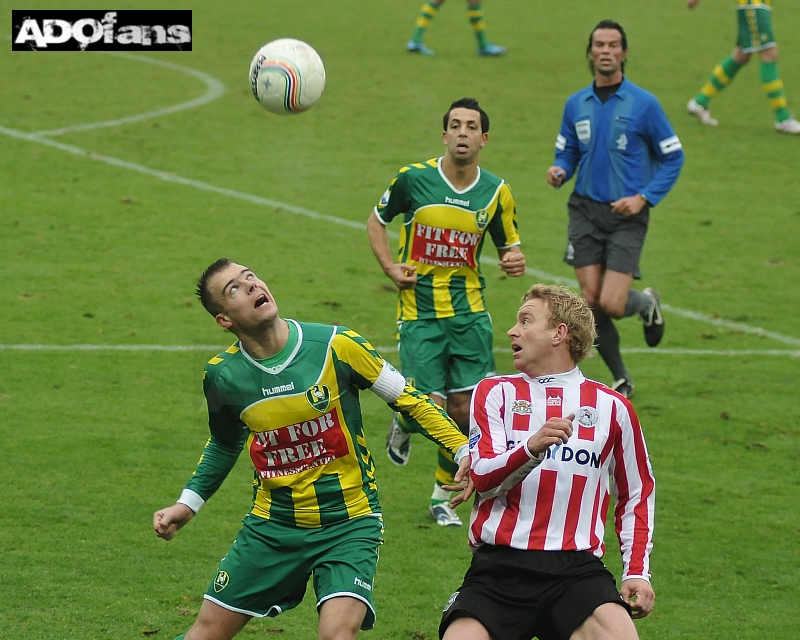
{"x":385,"y":198}
{"x":588,"y":416}
{"x":221,"y":581}
{"x":583,"y":129}
{"x":522,"y":407}
{"x":319,"y":397}
{"x":481,"y":218}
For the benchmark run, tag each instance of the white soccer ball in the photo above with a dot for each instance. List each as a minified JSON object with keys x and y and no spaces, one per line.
{"x":287,"y":76}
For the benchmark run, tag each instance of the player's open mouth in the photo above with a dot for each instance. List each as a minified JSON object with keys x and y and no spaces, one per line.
{"x":261,"y":300}
{"x":516,"y":348}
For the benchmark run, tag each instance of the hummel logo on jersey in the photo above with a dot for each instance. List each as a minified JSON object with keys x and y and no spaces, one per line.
{"x":279,"y":389}
{"x":522,"y":407}
{"x":362,"y":584}
{"x":554,"y":401}
{"x":622,"y":142}
{"x":461,"y":203}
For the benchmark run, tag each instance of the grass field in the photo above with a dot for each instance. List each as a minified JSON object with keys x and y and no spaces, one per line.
{"x":103,"y":232}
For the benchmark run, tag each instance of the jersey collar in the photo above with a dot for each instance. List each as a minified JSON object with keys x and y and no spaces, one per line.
{"x":285,"y":362}
{"x":557,"y":379}
{"x":449,"y":184}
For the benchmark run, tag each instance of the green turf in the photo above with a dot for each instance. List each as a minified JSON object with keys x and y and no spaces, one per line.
{"x":94,"y":442}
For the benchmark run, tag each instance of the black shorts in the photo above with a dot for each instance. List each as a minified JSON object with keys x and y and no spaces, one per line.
{"x":519,"y":595}
{"x":597,"y":235}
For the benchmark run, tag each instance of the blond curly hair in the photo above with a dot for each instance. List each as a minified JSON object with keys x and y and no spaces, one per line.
{"x":567,"y":307}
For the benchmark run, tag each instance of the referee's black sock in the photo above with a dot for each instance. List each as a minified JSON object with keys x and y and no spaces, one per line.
{"x":637,"y":303}
{"x":608,"y":345}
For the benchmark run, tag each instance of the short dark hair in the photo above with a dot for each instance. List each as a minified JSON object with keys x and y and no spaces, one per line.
{"x":606,"y":24}
{"x":202,"y":292}
{"x":467,"y":103}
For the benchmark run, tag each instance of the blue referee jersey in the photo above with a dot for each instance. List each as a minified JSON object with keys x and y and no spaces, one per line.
{"x":623,"y":147}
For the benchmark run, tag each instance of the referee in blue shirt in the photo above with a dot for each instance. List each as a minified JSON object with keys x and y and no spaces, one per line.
{"x":618,"y":139}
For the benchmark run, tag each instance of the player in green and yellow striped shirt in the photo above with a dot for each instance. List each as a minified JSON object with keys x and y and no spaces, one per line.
{"x":475,"y":14}
{"x":755,"y":36}
{"x":448,"y":207}
{"x":288,"y":392}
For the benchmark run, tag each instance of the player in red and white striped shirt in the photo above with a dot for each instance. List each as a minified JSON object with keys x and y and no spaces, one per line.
{"x":549,"y":448}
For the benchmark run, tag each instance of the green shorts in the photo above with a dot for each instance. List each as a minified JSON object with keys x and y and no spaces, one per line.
{"x":447,"y":355}
{"x":268,"y":566}
{"x":755,"y":30}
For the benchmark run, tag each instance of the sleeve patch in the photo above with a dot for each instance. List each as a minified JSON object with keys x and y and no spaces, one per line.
{"x":390,"y":383}
{"x":669,"y":145}
{"x":561,"y":142}
{"x":474,"y":436}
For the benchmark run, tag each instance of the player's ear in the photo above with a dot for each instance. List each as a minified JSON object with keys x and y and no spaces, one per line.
{"x":561,"y":334}
{"x":484,"y":139}
{"x":223,"y":321}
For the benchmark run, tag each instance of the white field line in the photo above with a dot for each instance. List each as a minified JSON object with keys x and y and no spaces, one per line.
{"x":383,"y":349}
{"x":172,"y":177}
{"x":214,"y":90}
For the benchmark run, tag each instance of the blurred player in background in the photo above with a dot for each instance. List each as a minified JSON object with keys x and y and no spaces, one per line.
{"x":545,"y":446}
{"x":475,"y":15}
{"x":628,"y":158}
{"x":755,"y":36}
{"x":446,"y":206}
{"x":288,"y":391}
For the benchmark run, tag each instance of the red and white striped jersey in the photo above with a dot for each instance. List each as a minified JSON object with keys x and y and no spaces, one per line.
{"x":560,"y":502}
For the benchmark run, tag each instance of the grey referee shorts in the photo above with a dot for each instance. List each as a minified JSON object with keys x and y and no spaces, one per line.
{"x":597,"y":235}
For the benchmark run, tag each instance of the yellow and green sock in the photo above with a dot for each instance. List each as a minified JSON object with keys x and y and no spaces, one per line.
{"x":772,"y":85}
{"x":721,"y":77}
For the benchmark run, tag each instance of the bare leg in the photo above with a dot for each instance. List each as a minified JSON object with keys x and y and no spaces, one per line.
{"x":608,"y":622}
{"x":466,"y":629}
{"x":216,"y":623}
{"x":340,"y":618}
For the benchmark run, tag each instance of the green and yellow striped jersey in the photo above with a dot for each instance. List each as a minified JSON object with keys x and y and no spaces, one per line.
{"x":754,"y":4}
{"x":299,"y":416}
{"x":443,"y":234}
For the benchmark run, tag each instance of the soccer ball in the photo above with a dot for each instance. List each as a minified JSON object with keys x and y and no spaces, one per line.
{"x":287,"y":76}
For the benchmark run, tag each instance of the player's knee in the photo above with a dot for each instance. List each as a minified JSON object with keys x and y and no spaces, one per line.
{"x":740,"y":57}
{"x":769,"y":55}
{"x":466,"y":629}
{"x":609,"y":621}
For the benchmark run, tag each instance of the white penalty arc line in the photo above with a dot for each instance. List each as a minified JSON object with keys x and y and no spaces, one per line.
{"x":232,"y":193}
{"x":384,"y":349}
{"x":214,"y":89}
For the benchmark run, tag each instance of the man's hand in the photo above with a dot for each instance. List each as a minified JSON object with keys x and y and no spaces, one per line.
{"x":554,"y":431}
{"x":640,"y":595}
{"x":463,"y":483}
{"x":629,"y":206}
{"x":166,"y":522}
{"x":555,"y":176}
{"x":403,"y":275}
{"x":513,"y":263}
{"x":692,"y":3}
